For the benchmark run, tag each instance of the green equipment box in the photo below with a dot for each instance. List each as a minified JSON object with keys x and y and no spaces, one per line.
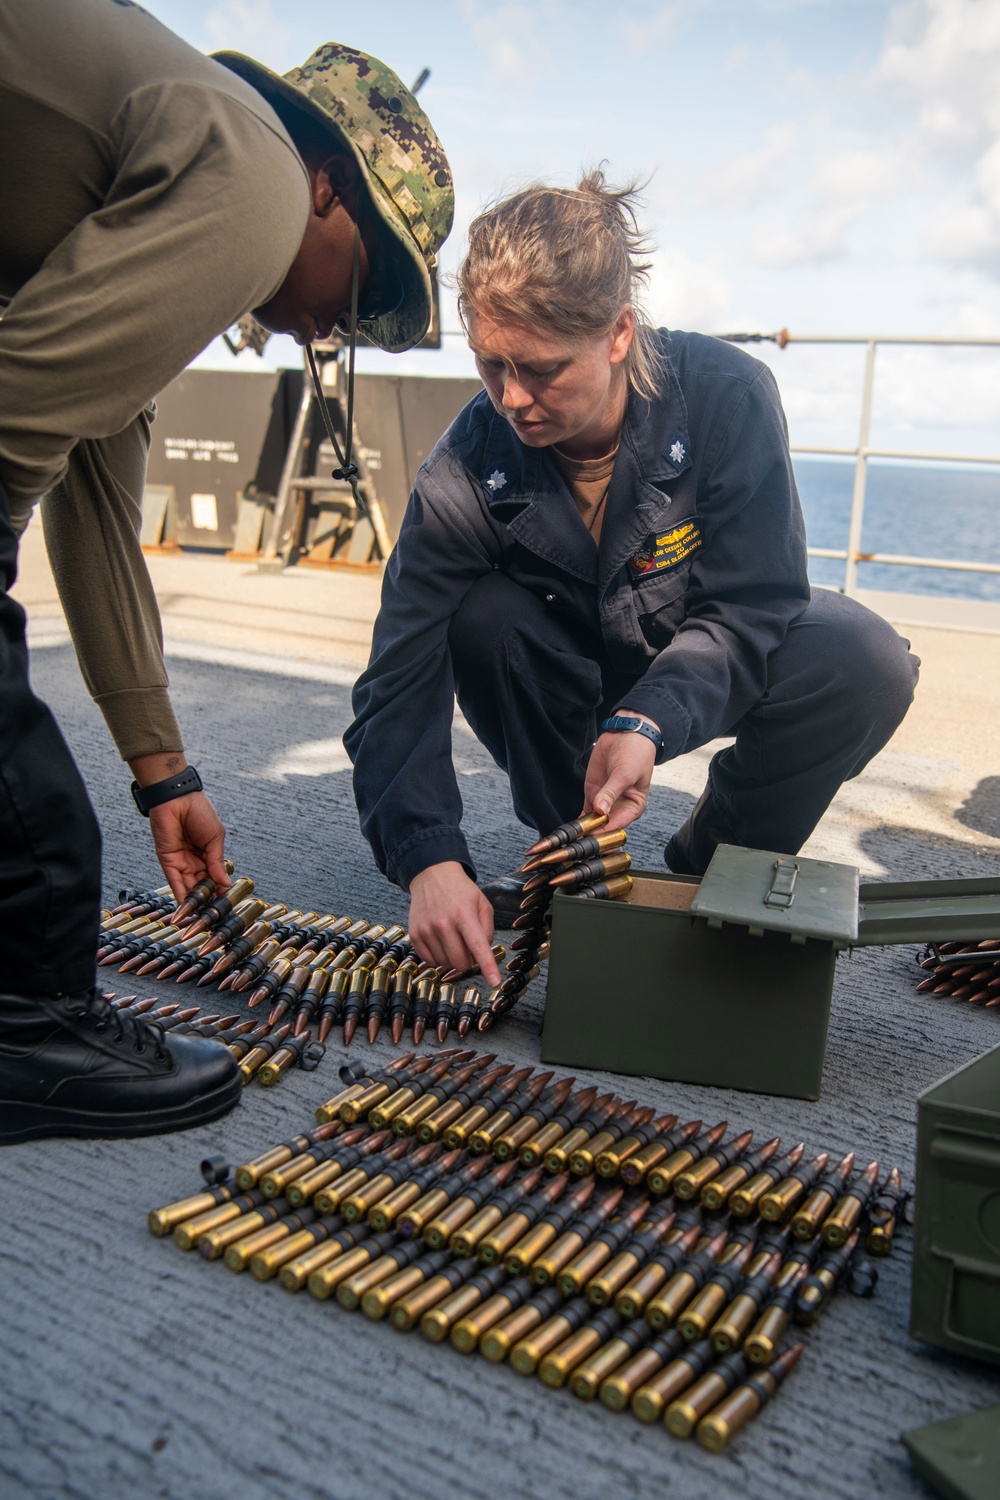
{"x":956,"y":1235}
{"x":726,"y":980}
{"x":961,"y":1456}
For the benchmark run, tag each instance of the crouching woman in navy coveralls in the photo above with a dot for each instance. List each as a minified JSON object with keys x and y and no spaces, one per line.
{"x":609,"y":532}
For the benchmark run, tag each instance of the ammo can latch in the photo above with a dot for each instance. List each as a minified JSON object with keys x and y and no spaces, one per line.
{"x":782,"y":892}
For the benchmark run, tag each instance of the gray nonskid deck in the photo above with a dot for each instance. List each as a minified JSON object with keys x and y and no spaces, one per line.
{"x":133,"y":1370}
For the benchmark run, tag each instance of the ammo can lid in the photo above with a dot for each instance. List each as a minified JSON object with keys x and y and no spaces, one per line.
{"x":764,"y":891}
{"x":960,"y":1456}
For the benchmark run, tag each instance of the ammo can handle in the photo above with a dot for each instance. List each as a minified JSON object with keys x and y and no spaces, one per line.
{"x":782,"y":892}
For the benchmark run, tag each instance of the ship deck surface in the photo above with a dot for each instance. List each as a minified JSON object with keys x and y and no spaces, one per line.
{"x":133,"y":1370}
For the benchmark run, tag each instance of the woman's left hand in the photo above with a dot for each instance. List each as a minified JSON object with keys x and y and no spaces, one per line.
{"x":618,"y":777}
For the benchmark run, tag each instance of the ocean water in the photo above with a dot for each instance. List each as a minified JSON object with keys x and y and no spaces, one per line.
{"x":927,"y":511}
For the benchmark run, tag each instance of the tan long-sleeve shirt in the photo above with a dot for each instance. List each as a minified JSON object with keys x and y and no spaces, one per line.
{"x":148,"y":197}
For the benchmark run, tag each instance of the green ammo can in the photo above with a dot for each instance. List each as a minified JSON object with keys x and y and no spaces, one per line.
{"x":956,"y":1235}
{"x":726,"y":979}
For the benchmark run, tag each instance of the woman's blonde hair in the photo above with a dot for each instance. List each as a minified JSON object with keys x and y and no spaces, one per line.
{"x":568,"y":260}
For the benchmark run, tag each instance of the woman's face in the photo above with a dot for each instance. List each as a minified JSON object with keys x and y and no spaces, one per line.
{"x":570,"y":392}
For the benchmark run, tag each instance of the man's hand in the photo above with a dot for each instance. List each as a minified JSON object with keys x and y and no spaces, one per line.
{"x":618,"y":776}
{"x":187,"y":833}
{"x":451,"y":921}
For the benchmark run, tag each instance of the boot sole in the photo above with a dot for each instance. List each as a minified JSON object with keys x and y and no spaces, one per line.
{"x":20,"y":1121}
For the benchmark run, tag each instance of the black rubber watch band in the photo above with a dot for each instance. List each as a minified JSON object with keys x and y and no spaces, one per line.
{"x":148,"y":797}
{"x":630,"y":724}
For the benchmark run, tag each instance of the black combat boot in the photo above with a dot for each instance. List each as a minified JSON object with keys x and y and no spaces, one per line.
{"x":690,"y":850}
{"x":71,"y":1065}
{"x":505,"y":895}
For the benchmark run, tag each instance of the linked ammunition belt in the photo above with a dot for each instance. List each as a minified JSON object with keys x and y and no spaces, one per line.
{"x":963,"y":971}
{"x":319,"y":971}
{"x":655,"y":1265}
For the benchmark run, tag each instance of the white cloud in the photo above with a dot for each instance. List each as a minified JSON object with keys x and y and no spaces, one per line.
{"x":510,"y":36}
{"x":250,"y":26}
{"x":740,"y":180}
{"x":654,"y":31}
{"x":686,"y":292}
{"x":845,"y":185}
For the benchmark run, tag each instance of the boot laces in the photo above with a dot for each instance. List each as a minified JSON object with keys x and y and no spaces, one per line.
{"x":125,"y":1029}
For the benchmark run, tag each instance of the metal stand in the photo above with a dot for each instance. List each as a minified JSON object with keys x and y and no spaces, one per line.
{"x":316,"y":522}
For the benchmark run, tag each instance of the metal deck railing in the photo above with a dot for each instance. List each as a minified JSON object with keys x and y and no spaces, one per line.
{"x":863,"y":452}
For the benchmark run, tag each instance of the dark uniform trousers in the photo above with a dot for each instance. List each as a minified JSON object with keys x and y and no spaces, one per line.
{"x":50,"y":844}
{"x":534,"y":694}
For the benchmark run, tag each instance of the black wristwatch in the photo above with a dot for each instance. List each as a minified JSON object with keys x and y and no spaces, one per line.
{"x":147,"y":797}
{"x":629,"y":724}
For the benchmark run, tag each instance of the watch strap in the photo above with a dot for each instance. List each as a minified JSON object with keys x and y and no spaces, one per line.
{"x":148,"y":797}
{"x":631,"y":724}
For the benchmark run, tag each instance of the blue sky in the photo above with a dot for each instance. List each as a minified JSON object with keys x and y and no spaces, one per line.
{"x":827,"y":167}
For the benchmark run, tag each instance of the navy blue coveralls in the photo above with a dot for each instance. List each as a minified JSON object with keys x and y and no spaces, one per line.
{"x":695,"y":610}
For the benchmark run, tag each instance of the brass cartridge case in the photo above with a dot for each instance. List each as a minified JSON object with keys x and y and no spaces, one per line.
{"x":729,"y":1330}
{"x":383,"y":1114}
{"x":189,"y":1231}
{"x":743,"y":1200}
{"x":501,"y":1239}
{"x":255,"y":1058}
{"x":407,"y":1311}
{"x":690,"y":1183}
{"x":458,"y":1133}
{"x":464,"y":1241}
{"x":668,"y":1304}
{"x":608,"y":1162}
{"x":634,"y":1297}
{"x":640,"y":1162}
{"x":529,"y":1247}
{"x":556,"y":1368}
{"x":331,"y":1110}
{"x":357,"y":1204}
{"x":497,"y":1342}
{"x":251,"y":1172}
{"x":439,"y":1119}
{"x":295,"y":1273}
{"x":324,"y":1280}
{"x":411,"y":1222}
{"x":528,"y":1353}
{"x":304,"y":1188}
{"x":602,"y":1288}
{"x":684,"y":1414}
{"x":407,"y":1120}
{"x":436,"y":1324}
{"x":377,"y":1301}
{"x":780,"y":1201}
{"x":350,"y":1291}
{"x":440,"y":1230}
{"x":548,"y":1265}
{"x":702,"y":1311}
{"x":481,"y":1140}
{"x":283,"y":1059}
{"x":467,"y":1332}
{"x":362,"y":1100}
{"x":328,"y":1199}
{"x":512,"y":1140}
{"x":617,"y":1389}
{"x":214,"y":1242}
{"x":267,"y":1263}
{"x":582,"y":1267}
{"x":274,"y":1182}
{"x":583,"y":1158}
{"x":557,"y":1157}
{"x":761,"y":1344}
{"x":533,"y":1151}
{"x":807,"y":1219}
{"x":715,"y":1192}
{"x":716,"y":1430}
{"x":842,"y":1222}
{"x":661,"y":1177}
{"x":239,"y":1256}
{"x":650,"y":1401}
{"x":387,"y":1210}
{"x":162,"y":1220}
{"x":590,"y":1374}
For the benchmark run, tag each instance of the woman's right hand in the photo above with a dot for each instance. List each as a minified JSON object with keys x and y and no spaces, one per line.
{"x":451,"y":921}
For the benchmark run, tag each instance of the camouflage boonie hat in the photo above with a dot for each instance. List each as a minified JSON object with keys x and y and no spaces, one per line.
{"x":366,"y":108}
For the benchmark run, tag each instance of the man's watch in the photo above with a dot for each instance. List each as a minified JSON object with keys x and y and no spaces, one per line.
{"x":630,"y":724}
{"x":148,"y":797}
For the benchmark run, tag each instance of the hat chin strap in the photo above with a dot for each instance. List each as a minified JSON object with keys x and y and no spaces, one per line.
{"x":347,"y":469}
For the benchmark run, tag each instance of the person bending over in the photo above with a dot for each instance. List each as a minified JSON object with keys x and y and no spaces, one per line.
{"x":604,"y":559}
{"x":150,"y":197}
